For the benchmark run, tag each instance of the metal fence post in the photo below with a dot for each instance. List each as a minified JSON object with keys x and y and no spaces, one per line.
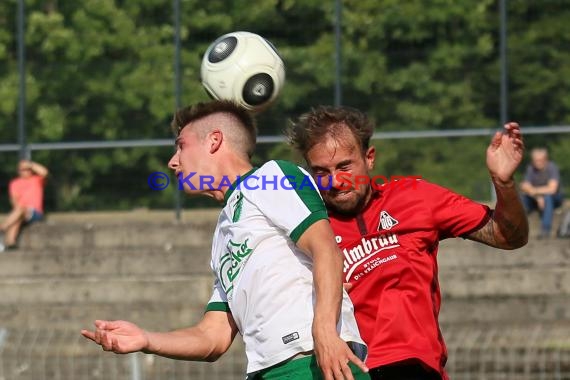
{"x":136,"y":370}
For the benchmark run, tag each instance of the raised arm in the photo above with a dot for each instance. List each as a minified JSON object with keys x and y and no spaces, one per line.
{"x":333,"y":354}
{"x":206,"y":341}
{"x":508,"y":227}
{"x":38,"y":169}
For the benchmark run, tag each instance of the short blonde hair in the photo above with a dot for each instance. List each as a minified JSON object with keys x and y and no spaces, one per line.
{"x":244,"y":120}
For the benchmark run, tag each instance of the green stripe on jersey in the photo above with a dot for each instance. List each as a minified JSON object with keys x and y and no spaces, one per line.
{"x":237,"y":182}
{"x":308,"y":222}
{"x":308,"y":193}
{"x":218,"y":306}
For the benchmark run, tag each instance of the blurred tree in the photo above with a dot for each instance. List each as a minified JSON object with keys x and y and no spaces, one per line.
{"x":102,"y":70}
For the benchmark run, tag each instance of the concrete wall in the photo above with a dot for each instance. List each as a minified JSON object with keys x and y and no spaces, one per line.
{"x":147,"y":268}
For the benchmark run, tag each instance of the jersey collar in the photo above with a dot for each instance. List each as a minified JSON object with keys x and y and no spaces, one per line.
{"x":234,"y":185}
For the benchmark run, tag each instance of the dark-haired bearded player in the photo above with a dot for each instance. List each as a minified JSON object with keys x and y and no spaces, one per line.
{"x":390,"y":235}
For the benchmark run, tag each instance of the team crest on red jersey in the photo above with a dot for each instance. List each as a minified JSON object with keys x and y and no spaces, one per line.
{"x":386,"y":221}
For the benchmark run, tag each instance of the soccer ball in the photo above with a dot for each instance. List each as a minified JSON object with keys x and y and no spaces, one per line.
{"x":243,"y":67}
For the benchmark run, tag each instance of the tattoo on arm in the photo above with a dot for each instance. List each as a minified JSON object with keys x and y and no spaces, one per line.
{"x":507,"y":237}
{"x":485,"y":234}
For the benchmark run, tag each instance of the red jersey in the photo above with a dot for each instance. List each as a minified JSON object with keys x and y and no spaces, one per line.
{"x":390,"y":258}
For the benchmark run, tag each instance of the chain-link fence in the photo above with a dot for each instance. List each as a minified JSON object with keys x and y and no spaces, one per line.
{"x":509,"y":352}
{"x":80,"y":181}
{"x":65,"y":355}
{"x":538,"y":352}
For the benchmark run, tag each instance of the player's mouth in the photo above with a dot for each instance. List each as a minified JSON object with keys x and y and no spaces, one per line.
{"x":339,"y":194}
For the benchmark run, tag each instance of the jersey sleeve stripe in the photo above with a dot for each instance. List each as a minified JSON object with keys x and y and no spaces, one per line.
{"x":302,"y":227}
{"x":307,"y":193}
{"x":218,"y":306}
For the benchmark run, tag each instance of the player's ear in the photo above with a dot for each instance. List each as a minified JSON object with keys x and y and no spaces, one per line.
{"x":215,"y":139}
{"x":369,"y":157}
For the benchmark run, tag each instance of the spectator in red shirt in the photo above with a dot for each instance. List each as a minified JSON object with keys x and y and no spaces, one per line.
{"x":27,"y":198}
{"x":389,"y":235}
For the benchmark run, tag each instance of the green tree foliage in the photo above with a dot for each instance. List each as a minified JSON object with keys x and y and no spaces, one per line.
{"x":103,"y":70}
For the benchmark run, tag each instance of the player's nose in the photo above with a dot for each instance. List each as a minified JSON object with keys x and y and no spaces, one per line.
{"x":341,"y":181}
{"x":174,"y":162}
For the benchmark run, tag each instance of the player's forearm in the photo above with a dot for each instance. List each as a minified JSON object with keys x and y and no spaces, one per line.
{"x":327,"y":277}
{"x":186,"y":344}
{"x":318,"y":242}
{"x":509,"y":217}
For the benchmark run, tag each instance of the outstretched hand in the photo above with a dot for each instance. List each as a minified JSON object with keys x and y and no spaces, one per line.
{"x":121,"y":337}
{"x":505,"y":153}
{"x":333,"y":355}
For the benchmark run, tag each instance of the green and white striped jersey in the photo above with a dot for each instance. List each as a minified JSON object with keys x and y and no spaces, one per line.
{"x":261,"y":277}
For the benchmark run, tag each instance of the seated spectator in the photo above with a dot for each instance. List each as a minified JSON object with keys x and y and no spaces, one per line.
{"x":27,"y":198}
{"x":541,"y":189}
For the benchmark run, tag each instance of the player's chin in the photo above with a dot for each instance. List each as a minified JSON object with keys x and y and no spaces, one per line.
{"x":193,"y":191}
{"x":344,"y":203}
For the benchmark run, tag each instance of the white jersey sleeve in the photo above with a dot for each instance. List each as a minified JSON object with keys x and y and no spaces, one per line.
{"x":289,"y":197}
{"x":218,"y":301}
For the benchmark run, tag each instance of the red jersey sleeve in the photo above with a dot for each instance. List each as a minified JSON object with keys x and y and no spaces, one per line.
{"x":453,"y":214}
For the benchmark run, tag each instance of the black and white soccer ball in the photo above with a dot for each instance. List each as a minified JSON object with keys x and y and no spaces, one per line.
{"x":243,"y":67}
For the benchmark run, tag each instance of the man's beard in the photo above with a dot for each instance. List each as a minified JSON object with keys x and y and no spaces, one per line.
{"x":348,"y":208}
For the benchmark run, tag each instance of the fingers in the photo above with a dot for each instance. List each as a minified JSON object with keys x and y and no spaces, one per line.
{"x":88,"y":334}
{"x":339,"y":369}
{"x":512,"y":124}
{"x":106,"y":341}
{"x":346,"y":371}
{"x":343,"y":372}
{"x":513,"y":129}
{"x":511,"y":132}
{"x":359,"y":363}
{"x":496,"y":140}
{"x":101,"y":335}
{"x":106,"y":325}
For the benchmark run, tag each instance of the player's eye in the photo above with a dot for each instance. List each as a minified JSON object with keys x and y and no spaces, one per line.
{"x":319,"y":173}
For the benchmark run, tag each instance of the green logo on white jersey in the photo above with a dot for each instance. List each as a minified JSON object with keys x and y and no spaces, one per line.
{"x":237,"y":207}
{"x":232,"y":262}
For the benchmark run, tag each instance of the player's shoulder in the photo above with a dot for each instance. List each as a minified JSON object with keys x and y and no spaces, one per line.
{"x":414,"y":188}
{"x":282,"y":167}
{"x":406,"y":184}
{"x":433,"y":188}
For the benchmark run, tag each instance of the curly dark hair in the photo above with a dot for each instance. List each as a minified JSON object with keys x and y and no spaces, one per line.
{"x":312,"y":126}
